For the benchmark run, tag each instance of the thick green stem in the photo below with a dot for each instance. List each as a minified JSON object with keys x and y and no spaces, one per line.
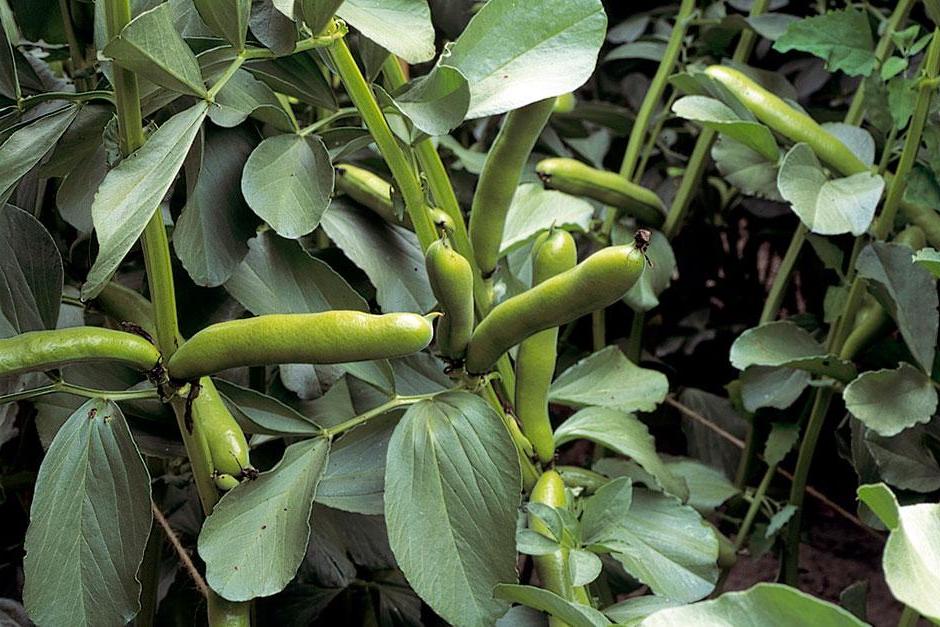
{"x":655,"y":92}
{"x":163,"y":295}
{"x":362,"y":97}
{"x":443,"y":192}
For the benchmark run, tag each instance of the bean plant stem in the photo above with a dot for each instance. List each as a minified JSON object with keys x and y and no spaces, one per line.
{"x":442,"y":190}
{"x":628,"y":168}
{"x":909,"y":617}
{"x":393,"y":403}
{"x":842,"y":326}
{"x":81,"y":96}
{"x":163,"y":295}
{"x":61,"y":387}
{"x":754,"y":507}
{"x":405,"y":178}
{"x":76,"y":54}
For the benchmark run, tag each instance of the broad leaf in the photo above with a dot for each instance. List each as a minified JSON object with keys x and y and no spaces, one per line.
{"x":262,"y":413}
{"x":212,"y":232}
{"x":907,"y":292}
{"x":708,"y":487}
{"x":452,"y":489}
{"x":535,"y":209}
{"x":624,"y":434}
{"x":908,"y":460}
{"x":666,"y":545}
{"x":267,"y":523}
{"x":603,"y":512}
{"x":780,"y":441}
{"x":389,"y":255}
{"x":912,"y":553}
{"x":634,"y":609}
{"x":770,"y":386}
{"x":26,"y":146}
{"x":828,"y":207}
{"x":89,"y":523}
{"x":317,"y":13}
{"x":30,"y":272}
{"x":245,"y":95}
{"x":842,"y":38}
{"x":764,"y":604}
{"x":354,"y":480}
{"x":608,"y":379}
{"x":277,"y":276}
{"x":287,"y":181}
{"x":889,"y":401}
{"x":133,"y":190}
{"x":151,"y":46}
{"x":435,"y":103}
{"x":297,"y":75}
{"x":929,"y":259}
{"x":783,"y":343}
{"x":402,"y":27}
{"x":573,"y":614}
{"x":716,"y":115}
{"x":228,"y":18}
{"x":745,"y":169}
{"x":516,"y":53}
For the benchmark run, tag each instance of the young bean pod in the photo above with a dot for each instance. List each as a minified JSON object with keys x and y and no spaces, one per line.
{"x":369,"y":190}
{"x":500,"y":177}
{"x":224,"y":439}
{"x":44,"y":350}
{"x":598,"y":281}
{"x":553,"y":568}
{"x":579,"y":179}
{"x":319,"y":338}
{"x":451,"y":280}
{"x":553,"y":254}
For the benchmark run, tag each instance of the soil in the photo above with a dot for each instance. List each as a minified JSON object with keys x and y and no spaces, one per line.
{"x":835,"y":554}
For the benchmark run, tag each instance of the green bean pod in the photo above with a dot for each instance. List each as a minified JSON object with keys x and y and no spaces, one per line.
{"x":799,"y":127}
{"x":369,"y":190}
{"x":555,"y":253}
{"x":552,"y":568}
{"x":789,"y":122}
{"x":44,"y":350}
{"x":451,"y":280}
{"x":224,"y":439}
{"x":598,"y":281}
{"x":579,"y":179}
{"x":318,"y":338}
{"x":123,"y":304}
{"x":500,"y":178}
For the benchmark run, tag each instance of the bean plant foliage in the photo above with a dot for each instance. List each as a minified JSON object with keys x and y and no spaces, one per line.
{"x":424,"y":312}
